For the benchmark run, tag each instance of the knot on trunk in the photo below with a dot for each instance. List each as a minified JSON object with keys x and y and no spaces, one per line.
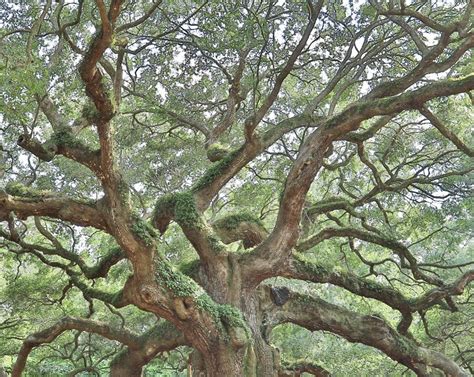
{"x":183,"y":307}
{"x":148,"y":294}
{"x":238,"y":337}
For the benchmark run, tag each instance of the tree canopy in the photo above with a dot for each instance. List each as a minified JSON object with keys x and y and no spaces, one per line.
{"x":236,"y":188}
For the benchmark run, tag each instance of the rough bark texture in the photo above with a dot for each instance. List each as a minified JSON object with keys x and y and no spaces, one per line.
{"x":222,"y":309}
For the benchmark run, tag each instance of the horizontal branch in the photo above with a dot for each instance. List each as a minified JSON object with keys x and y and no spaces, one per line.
{"x":302,"y":269}
{"x":70,"y":323}
{"x":161,"y":338}
{"x":33,"y":203}
{"x":297,"y":368}
{"x":315,"y":314}
{"x":62,"y":143}
{"x":401,"y":250}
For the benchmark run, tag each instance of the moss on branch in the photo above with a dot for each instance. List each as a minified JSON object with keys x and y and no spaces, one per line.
{"x":224,"y":315}
{"x":18,"y":189}
{"x":144,"y":231}
{"x":181,"y":207}
{"x":217,"y":152}
{"x":215,"y":171}
{"x":232,"y":222}
{"x":178,"y":283}
{"x":64,"y":137}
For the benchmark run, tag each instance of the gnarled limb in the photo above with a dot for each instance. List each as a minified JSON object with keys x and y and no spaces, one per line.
{"x":90,"y":74}
{"x":161,"y":338}
{"x":315,"y":314}
{"x":296,"y":369}
{"x":32,"y":203}
{"x":263,"y":262}
{"x":71,"y":323}
{"x":302,"y":269}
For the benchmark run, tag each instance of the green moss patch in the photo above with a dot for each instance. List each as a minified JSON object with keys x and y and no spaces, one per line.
{"x":223,"y":314}
{"x":217,"y":152}
{"x":144,"y":231}
{"x":18,"y":189}
{"x":177,"y":282}
{"x":215,"y":171}
{"x":181,"y":207}
{"x":231,"y":222}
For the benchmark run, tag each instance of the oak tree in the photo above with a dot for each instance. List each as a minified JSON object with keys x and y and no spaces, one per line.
{"x":211,"y":174}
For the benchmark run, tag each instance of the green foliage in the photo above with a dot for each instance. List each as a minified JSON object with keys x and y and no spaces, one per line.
{"x":309,"y":267}
{"x":177,"y":282}
{"x":182,"y":80}
{"x":18,"y":189}
{"x":223,"y":314}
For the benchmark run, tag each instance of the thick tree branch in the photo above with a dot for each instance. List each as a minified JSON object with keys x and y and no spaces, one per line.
{"x":161,"y":338}
{"x":90,"y":74}
{"x":316,"y":315}
{"x":265,"y":259}
{"x":26,"y":204}
{"x":95,"y":85}
{"x":302,"y":269}
{"x":297,"y":369}
{"x":70,"y":323}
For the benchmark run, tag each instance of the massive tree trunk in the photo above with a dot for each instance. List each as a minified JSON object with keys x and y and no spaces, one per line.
{"x":236,"y":351}
{"x":223,"y":307}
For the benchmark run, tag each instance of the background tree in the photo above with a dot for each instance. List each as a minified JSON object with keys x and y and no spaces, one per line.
{"x":188,"y":184}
